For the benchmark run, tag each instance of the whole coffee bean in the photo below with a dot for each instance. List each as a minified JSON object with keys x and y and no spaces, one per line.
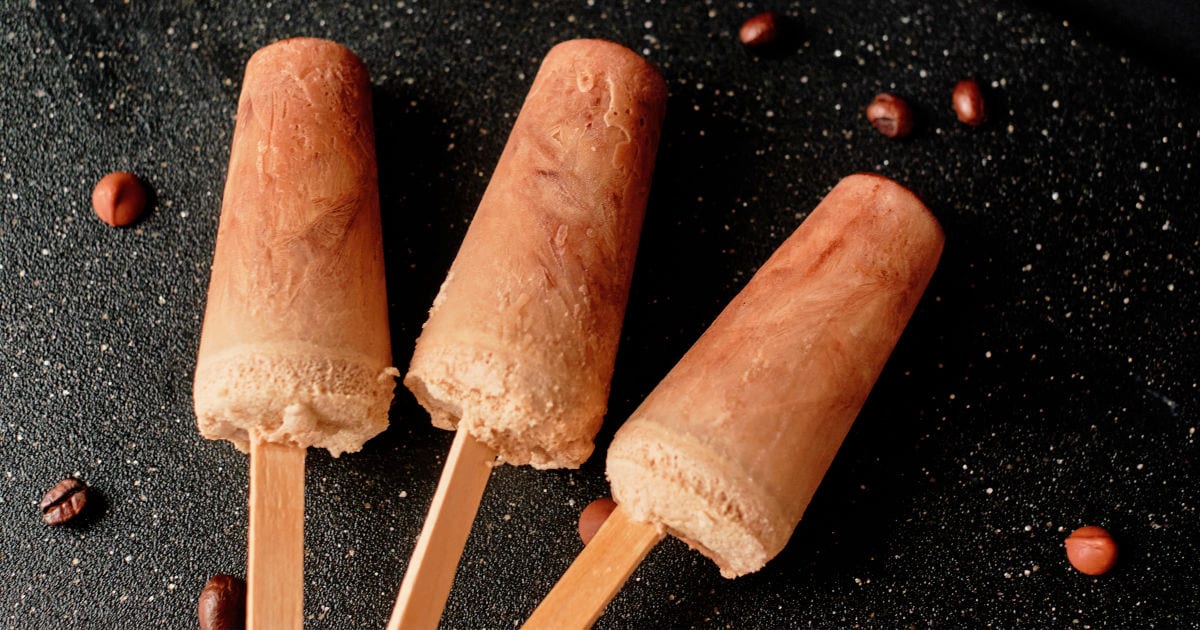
{"x":222,"y":603}
{"x":968,"y":102}
{"x":593,"y":516}
{"x":761,"y":30}
{"x":64,"y":501}
{"x":891,"y":115}
{"x":1091,"y":550}
{"x":119,"y":199}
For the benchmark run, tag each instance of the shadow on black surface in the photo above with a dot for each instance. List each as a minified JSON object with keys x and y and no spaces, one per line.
{"x":878,"y":471}
{"x":1161,"y":32}
{"x":94,"y":511}
{"x":679,"y":279}
{"x":414,"y":195}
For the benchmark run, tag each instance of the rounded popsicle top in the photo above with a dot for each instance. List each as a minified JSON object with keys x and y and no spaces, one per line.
{"x":729,"y":448}
{"x":298,"y":53}
{"x":634,"y":69}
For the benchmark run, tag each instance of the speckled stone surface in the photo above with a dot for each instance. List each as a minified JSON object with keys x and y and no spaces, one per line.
{"x":1048,"y":380}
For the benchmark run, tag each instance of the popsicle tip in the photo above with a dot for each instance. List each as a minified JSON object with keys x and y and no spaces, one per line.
{"x":895,"y":188}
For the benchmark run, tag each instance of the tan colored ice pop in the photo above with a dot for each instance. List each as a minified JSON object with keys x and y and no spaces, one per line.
{"x":518,"y":351}
{"x":295,"y":349}
{"x":728,"y":450}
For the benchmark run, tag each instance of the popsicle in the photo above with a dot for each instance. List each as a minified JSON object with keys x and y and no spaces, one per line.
{"x":295,"y":350}
{"x":726,"y":452}
{"x":518,"y":350}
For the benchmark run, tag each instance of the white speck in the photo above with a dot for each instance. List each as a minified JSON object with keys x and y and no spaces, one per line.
{"x":648,"y":24}
{"x":45,"y":252}
{"x":403,"y":494}
{"x":1054,"y":196}
{"x":162,"y":300}
{"x":989,"y":491}
{"x":1141,"y":466}
{"x":1054,"y":103}
{"x":1143,"y":166}
{"x":988,"y":354}
{"x":1166,"y":226}
{"x":837,"y":53}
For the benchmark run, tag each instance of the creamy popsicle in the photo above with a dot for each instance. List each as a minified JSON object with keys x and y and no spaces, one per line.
{"x":726,"y":452}
{"x":295,"y":349}
{"x":519,"y":346}
{"x":518,"y":350}
{"x":295,"y":344}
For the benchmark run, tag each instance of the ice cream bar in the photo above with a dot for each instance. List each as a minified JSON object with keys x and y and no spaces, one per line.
{"x":295,"y":344}
{"x":295,"y":350}
{"x":519,"y":346}
{"x":726,"y":452}
{"x":518,"y":350}
{"x":728,"y":449}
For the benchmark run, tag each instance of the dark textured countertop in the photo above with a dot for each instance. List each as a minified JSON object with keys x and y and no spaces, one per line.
{"x":1048,"y":380}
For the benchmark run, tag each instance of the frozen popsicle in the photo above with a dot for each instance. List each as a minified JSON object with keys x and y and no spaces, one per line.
{"x":518,"y":350}
{"x":726,"y":452}
{"x":295,"y":349}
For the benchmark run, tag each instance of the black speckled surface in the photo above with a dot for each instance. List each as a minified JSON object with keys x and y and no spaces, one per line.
{"x":1048,"y":380}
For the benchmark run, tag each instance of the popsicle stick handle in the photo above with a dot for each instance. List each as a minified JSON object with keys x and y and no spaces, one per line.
{"x":275,"y":571}
{"x":431,"y":570}
{"x":596,"y":576}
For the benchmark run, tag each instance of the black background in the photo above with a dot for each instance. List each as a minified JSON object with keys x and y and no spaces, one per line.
{"x":1047,"y":381}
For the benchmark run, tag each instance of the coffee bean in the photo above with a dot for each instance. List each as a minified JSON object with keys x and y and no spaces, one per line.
{"x":1091,"y":550}
{"x":593,"y":516}
{"x":64,"y":502}
{"x":119,"y":199}
{"x":222,"y":603}
{"x":968,"y":102}
{"x":890,"y":115}
{"x":761,"y":30}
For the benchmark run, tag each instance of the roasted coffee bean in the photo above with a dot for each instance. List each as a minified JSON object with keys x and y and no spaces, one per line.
{"x":119,"y":199}
{"x":64,"y":502}
{"x":890,"y":115}
{"x":593,"y":516}
{"x":968,"y":102}
{"x":761,"y":30}
{"x":1091,"y":550}
{"x":222,"y":603}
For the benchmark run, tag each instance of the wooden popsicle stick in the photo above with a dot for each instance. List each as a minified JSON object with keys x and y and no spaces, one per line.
{"x":275,"y":571}
{"x":434,"y":562}
{"x":596,"y":576}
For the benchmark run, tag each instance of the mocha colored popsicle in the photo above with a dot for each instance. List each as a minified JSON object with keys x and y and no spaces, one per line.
{"x":520,"y":342}
{"x":295,"y":344}
{"x":728,"y":450}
